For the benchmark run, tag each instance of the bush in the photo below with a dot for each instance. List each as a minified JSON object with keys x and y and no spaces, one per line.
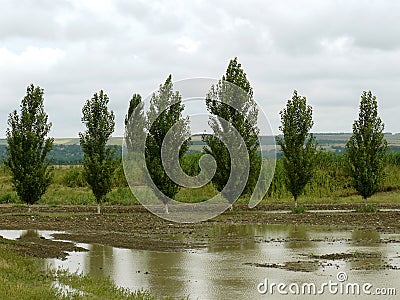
{"x":6,"y":198}
{"x":393,"y":158}
{"x":119,"y":179}
{"x":190,"y":163}
{"x":75,"y":178}
{"x":367,"y":208}
{"x":120,"y":196}
{"x":299,"y":209}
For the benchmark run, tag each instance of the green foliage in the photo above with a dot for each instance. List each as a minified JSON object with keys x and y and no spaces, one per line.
{"x":28,"y":147}
{"x":119,"y":179}
{"x":298,"y":209}
{"x":135,"y":123}
{"x":66,"y":155}
{"x":75,"y":177}
{"x":190,"y":195}
{"x":367,"y":208}
{"x":391,"y":180}
{"x":6,"y":198}
{"x":392,"y":158}
{"x":167,"y":105}
{"x":190,"y":163}
{"x":297,"y":144}
{"x":330,"y":178}
{"x":331,"y":184}
{"x":367,"y":147}
{"x":121,"y":196}
{"x":240,"y":110}
{"x":99,"y":162}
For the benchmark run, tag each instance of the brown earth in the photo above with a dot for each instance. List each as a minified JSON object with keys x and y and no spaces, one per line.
{"x":134,"y":227}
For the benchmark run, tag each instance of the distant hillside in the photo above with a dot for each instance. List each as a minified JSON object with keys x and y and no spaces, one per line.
{"x":68,"y":151}
{"x":75,"y":141}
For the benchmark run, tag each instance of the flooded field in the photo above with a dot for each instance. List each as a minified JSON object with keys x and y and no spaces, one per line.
{"x":241,"y":261}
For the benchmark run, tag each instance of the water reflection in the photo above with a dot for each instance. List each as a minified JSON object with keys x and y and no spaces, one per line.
{"x":164,"y":271}
{"x":298,"y":238}
{"x":232,"y":238}
{"x":220,"y":272}
{"x":372,"y":253}
{"x":28,"y":234}
{"x":366,"y":237}
{"x":99,"y":261}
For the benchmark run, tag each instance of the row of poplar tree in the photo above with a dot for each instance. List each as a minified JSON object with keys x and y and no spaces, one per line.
{"x":29,"y":144}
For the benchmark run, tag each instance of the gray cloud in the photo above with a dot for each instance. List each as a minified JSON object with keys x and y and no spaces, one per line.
{"x":330,"y":51}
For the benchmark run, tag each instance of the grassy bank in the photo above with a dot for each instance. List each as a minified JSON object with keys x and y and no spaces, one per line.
{"x":23,"y":277}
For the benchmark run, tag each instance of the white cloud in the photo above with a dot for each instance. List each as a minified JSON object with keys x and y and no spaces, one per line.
{"x":340,"y":45}
{"x":30,"y":58}
{"x":328,"y":50}
{"x":187,"y":45}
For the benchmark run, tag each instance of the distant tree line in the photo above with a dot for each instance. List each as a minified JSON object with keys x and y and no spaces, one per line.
{"x":73,"y":154}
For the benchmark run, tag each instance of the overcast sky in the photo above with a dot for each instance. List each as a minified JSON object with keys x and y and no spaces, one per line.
{"x":329,"y":51}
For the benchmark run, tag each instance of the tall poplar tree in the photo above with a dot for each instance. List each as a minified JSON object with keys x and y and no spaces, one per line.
{"x":367,"y":147}
{"x":297,"y":144}
{"x":99,"y":161}
{"x":28,"y":147}
{"x":135,"y":123}
{"x":165,"y":111}
{"x":240,"y":110}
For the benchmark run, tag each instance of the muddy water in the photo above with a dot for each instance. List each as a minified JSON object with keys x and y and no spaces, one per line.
{"x":240,"y":257}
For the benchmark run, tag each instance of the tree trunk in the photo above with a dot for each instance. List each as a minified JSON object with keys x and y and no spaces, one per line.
{"x":166,"y":208}
{"x":29,"y":208}
{"x":295,"y":202}
{"x":98,"y":208}
{"x":231,"y":206}
{"x":365,"y":201}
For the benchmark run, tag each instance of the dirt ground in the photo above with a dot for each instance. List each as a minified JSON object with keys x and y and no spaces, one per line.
{"x":133,"y":227}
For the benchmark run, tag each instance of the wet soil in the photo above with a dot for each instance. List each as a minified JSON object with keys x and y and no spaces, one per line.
{"x":327,"y":260}
{"x":133,"y":227}
{"x":40,"y":247}
{"x":297,"y":266}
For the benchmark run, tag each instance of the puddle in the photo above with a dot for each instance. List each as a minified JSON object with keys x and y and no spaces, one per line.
{"x":15,"y":234}
{"x":239,"y":257}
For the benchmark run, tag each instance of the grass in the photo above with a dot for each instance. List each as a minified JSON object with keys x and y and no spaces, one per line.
{"x":88,"y":287}
{"x":330,"y":185}
{"x":196,"y":195}
{"x":23,"y":277}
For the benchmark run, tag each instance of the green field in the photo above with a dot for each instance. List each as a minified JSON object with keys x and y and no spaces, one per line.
{"x":329,"y":185}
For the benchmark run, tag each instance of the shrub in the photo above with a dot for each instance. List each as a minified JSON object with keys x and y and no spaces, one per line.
{"x":298,"y":209}
{"x":6,"y":198}
{"x":367,"y":208}
{"x":75,"y":178}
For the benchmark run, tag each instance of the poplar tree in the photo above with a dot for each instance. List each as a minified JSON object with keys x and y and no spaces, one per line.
{"x":366,"y":148}
{"x":297,"y":144}
{"x":135,"y":123}
{"x":165,"y":111}
{"x":240,"y":110}
{"x":28,"y":147}
{"x":99,"y":161}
